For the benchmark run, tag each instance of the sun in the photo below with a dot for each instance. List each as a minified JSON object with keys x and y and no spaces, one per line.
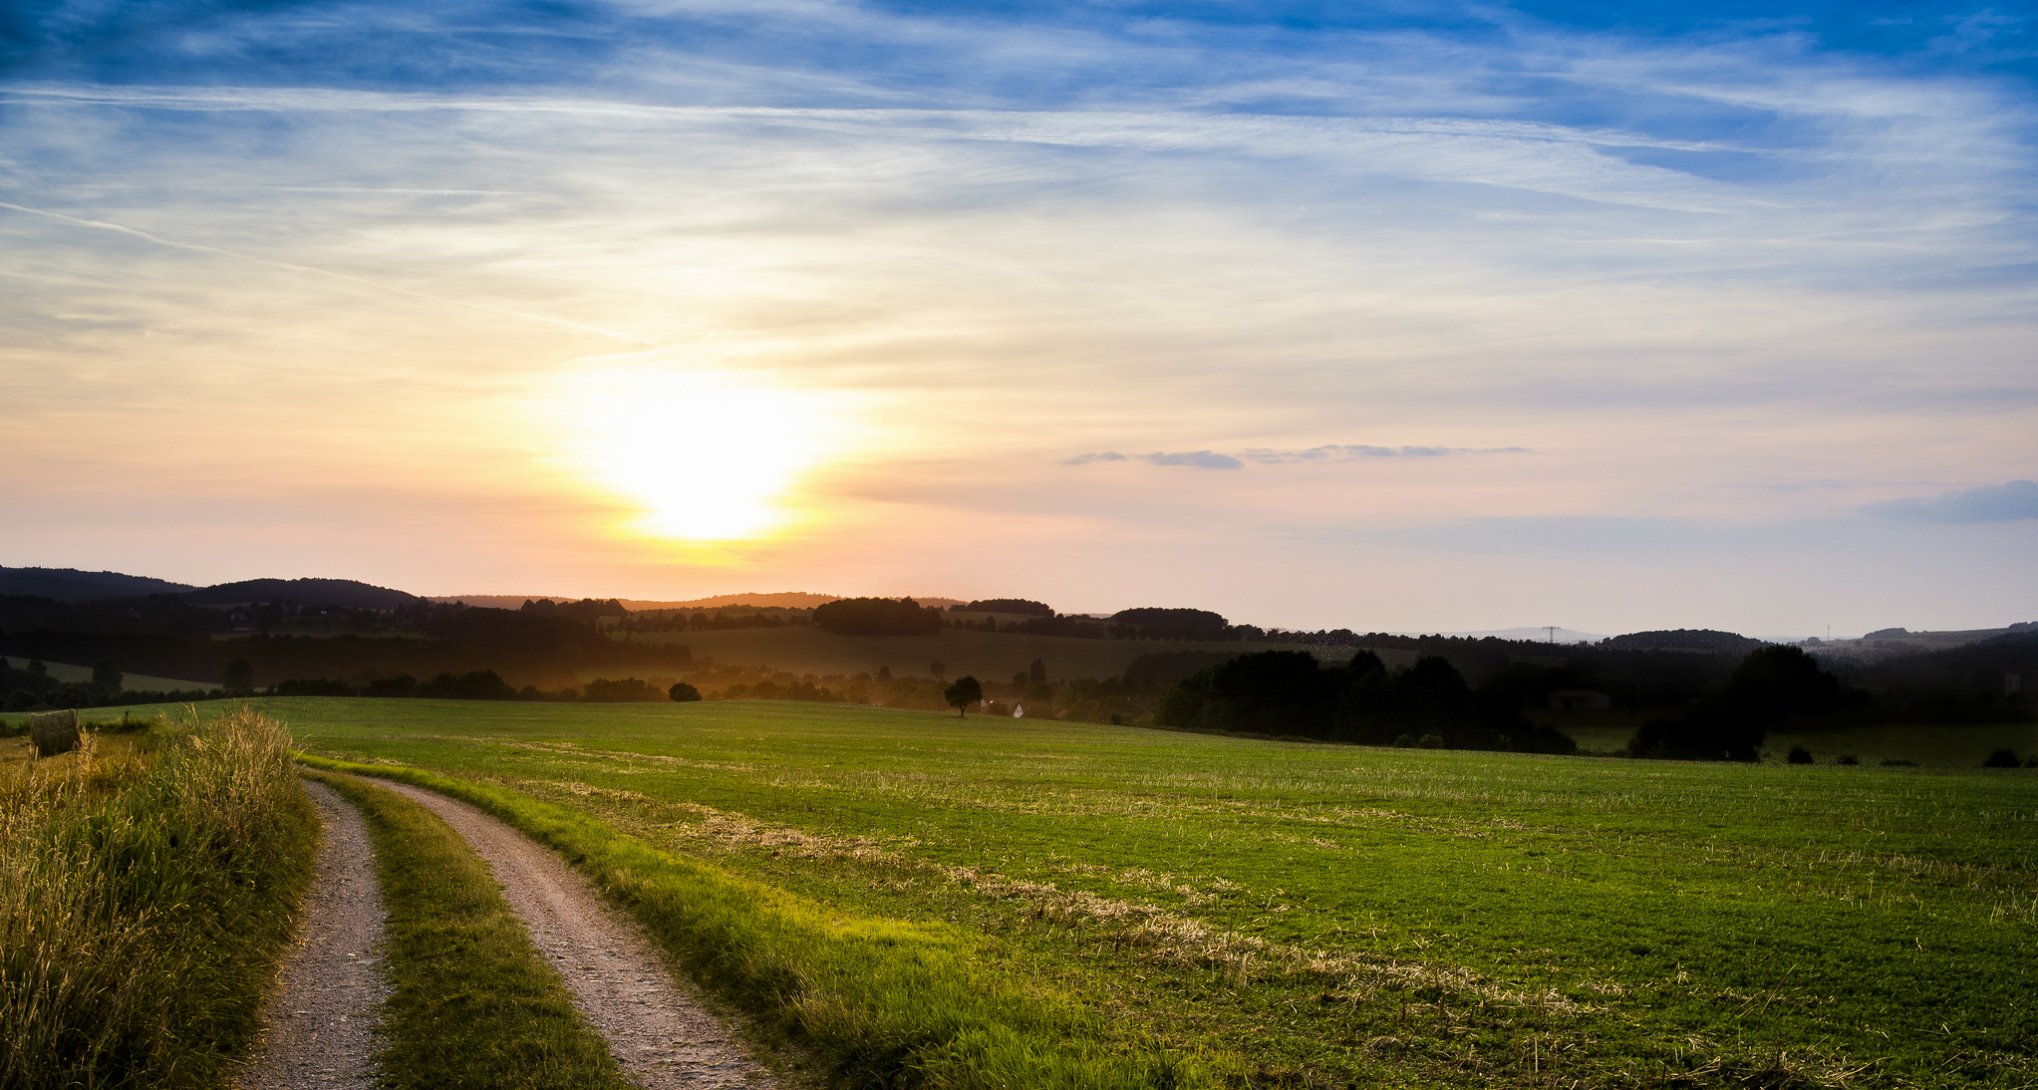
{"x":700,"y":456}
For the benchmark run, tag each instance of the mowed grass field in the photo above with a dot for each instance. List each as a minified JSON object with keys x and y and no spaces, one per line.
{"x":1318,"y":916}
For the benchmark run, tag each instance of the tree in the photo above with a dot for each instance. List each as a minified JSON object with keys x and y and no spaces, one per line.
{"x":1776,"y":684}
{"x":239,"y":678}
{"x":682,"y":693}
{"x":877,"y":617}
{"x":1037,"y":673}
{"x":106,"y":677}
{"x":937,"y":669}
{"x":966,"y":691}
{"x":628,"y":690}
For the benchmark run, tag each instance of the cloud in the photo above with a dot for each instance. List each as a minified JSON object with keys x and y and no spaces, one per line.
{"x":2014,"y":501}
{"x":1197,"y":459}
{"x":1192,"y":459}
{"x":1330,"y":452}
{"x":1350,"y":452}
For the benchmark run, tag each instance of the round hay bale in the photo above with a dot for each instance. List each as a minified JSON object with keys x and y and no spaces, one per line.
{"x":53,"y":732}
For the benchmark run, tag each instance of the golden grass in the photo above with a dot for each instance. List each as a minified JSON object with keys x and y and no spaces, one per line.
{"x":150,"y":882}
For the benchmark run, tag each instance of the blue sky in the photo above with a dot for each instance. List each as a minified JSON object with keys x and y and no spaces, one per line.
{"x":1722,"y":319}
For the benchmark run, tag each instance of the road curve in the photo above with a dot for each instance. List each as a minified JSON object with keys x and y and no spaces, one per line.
{"x":659,"y":1034}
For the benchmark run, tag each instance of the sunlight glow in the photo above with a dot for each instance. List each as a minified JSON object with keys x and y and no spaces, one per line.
{"x":702,"y":456}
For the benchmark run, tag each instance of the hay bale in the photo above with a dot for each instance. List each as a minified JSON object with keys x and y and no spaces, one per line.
{"x":53,"y":732}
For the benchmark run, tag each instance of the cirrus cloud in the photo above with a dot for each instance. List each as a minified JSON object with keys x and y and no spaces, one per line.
{"x":1329,"y":452}
{"x":2013,"y":501}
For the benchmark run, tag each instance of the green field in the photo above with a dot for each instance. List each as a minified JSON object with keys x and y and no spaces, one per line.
{"x":1284,"y":915}
{"x":73,"y":673}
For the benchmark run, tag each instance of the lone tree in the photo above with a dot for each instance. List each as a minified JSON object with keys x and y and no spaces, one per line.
{"x":106,"y":677}
{"x":965,"y":691}
{"x":682,"y":693}
{"x":239,"y":679}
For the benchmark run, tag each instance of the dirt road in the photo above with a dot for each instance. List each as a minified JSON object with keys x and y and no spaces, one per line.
{"x":318,"y":1029}
{"x":660,"y":1035}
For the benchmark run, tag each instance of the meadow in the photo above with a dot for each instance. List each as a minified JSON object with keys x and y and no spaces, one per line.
{"x":80,"y":675}
{"x":1237,"y":912}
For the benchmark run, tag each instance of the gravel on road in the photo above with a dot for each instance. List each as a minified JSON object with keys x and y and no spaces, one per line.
{"x":318,"y":1029}
{"x":660,"y":1034}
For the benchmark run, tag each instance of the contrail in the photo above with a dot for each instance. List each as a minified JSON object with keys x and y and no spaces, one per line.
{"x":314,"y":270}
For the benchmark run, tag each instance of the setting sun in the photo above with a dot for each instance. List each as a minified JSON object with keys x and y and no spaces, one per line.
{"x":704,"y":457}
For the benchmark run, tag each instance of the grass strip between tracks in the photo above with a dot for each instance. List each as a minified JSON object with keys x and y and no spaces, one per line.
{"x":473,"y":1003}
{"x":878,"y":1002}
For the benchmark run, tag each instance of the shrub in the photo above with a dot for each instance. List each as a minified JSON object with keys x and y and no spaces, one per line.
{"x":1431,"y":741}
{"x":682,"y":693}
{"x":1799,"y":756}
{"x":1404,"y":741}
{"x":2002,"y":758}
{"x":1847,"y":759}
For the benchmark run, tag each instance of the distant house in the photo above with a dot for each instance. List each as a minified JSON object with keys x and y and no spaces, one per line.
{"x":1579,"y":700}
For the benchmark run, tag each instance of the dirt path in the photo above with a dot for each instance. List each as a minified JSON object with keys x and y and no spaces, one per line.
{"x":318,"y":1030}
{"x":660,"y":1035}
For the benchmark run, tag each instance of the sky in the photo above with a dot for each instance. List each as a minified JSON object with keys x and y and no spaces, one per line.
{"x":1396,"y":316}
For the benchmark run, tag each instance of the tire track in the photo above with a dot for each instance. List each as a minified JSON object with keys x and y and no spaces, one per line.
{"x":318,"y":1030}
{"x":658,"y":1032}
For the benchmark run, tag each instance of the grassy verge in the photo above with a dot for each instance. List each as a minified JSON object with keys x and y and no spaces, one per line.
{"x":147,"y":887}
{"x":473,"y":1004}
{"x":880,"y":1002}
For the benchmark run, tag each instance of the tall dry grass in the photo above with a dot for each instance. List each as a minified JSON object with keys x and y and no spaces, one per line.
{"x":147,"y":885}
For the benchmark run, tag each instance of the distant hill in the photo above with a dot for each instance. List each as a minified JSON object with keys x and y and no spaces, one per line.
{"x":1897,"y":642}
{"x":1531,"y":635}
{"x":1696,"y":640}
{"x":72,"y":585}
{"x":317,"y":593}
{"x":1978,"y":666}
{"x":784,"y":599}
{"x":777,"y":600}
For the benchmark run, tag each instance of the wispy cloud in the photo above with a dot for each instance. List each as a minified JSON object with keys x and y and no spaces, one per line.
{"x":1189,"y":459}
{"x":1351,"y":452}
{"x":364,"y":227}
{"x":294,"y":267}
{"x":1329,"y":452}
{"x":2013,"y":501}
